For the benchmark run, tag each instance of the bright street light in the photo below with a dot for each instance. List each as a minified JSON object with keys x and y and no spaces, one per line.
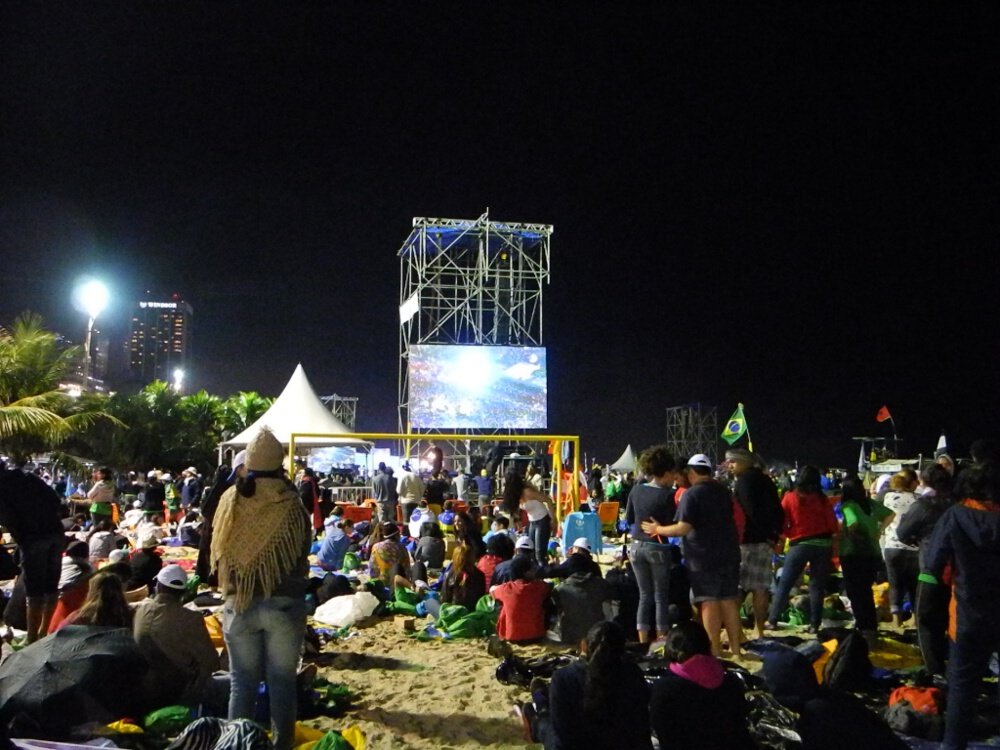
{"x":92,"y":297}
{"x":178,"y":380}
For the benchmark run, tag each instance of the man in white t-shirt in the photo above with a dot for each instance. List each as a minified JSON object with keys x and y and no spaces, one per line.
{"x":409,"y":488}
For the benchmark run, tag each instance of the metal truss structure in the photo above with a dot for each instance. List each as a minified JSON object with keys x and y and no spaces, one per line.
{"x":470,"y":281}
{"x":691,"y":429}
{"x":344,"y":408}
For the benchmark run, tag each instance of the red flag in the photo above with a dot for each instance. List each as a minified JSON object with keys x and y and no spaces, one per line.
{"x":883,"y":414}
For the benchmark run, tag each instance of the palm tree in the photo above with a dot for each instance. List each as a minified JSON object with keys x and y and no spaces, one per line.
{"x":34,"y":414}
{"x":202,"y":426}
{"x":241,"y":411}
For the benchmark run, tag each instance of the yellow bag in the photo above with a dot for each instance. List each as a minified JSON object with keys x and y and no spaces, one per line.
{"x":214,"y":627}
{"x":306,"y":735}
{"x":125,"y":727}
{"x":355,"y":736}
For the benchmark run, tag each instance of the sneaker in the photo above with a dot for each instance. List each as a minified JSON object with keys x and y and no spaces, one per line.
{"x":539,"y":694}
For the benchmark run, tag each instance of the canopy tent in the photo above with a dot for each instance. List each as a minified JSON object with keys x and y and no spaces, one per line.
{"x":627,"y":460}
{"x":298,"y":409}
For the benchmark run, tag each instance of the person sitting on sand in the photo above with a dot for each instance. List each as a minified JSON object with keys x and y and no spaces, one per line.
{"x":335,"y":545}
{"x":468,"y":532}
{"x":389,"y":558}
{"x":498,"y":549}
{"x":580,"y":604}
{"x":600,"y":702}
{"x":428,"y":556}
{"x":464,"y":583}
{"x":421,"y":515}
{"x":522,"y":617}
{"x":102,"y":539}
{"x":523,"y":547}
{"x":104,"y":605}
{"x":175,"y":639}
{"x":697,"y":704}
{"x":579,"y":560}
{"x":145,"y":562}
{"x":500,"y":525}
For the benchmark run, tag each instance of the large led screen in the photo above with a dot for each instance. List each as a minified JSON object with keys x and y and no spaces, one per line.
{"x":471,"y":387}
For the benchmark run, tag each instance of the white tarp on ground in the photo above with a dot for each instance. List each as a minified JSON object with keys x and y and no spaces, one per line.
{"x":627,"y":460}
{"x":298,"y":409}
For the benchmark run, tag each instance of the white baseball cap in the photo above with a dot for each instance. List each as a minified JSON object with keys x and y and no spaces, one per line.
{"x":173,"y":577}
{"x":700,"y":459}
{"x":524,"y":542}
{"x":581,"y":542}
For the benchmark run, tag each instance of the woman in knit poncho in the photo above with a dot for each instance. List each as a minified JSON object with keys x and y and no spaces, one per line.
{"x":260,"y":547}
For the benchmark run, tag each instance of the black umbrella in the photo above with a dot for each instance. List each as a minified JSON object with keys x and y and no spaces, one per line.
{"x":79,"y":673}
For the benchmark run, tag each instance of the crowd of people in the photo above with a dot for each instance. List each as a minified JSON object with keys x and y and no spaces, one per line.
{"x":703,"y":540}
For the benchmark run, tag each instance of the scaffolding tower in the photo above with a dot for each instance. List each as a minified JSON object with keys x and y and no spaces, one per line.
{"x":469,"y":281}
{"x":344,"y":408}
{"x":693,"y":428}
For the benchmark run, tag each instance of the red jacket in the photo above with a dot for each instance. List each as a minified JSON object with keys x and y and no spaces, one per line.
{"x":521,"y":617}
{"x":807,"y":516}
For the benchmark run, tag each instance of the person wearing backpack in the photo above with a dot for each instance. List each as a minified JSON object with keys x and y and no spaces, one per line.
{"x":967,"y":538}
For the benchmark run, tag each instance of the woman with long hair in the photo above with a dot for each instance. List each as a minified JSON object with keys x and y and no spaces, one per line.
{"x":469,"y":534}
{"x":651,"y":556}
{"x":809,"y":527}
{"x":519,"y":494}
{"x":105,"y":604}
{"x":464,"y":583}
{"x":600,"y":702}
{"x":260,"y":550}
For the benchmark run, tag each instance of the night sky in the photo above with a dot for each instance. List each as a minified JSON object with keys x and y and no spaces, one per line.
{"x":797,"y":212}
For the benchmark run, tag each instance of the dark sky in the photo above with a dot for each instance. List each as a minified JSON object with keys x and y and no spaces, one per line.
{"x":799,"y":212}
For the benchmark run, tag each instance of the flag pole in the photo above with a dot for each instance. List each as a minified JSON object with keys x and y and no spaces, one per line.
{"x":895,"y":440}
{"x":746,"y":424}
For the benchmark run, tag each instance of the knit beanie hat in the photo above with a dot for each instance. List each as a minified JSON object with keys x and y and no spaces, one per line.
{"x":264,"y":453}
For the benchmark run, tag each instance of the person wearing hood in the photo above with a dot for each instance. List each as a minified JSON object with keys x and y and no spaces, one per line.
{"x":260,"y":551}
{"x":966,"y":539}
{"x":697,"y":704}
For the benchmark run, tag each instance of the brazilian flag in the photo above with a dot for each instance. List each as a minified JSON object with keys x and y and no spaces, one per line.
{"x":736,"y":426}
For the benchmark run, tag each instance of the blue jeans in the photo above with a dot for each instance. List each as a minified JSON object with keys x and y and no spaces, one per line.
{"x":967,"y":661}
{"x":651,"y":565}
{"x":820,"y":562}
{"x":539,"y":533}
{"x":265,"y":643}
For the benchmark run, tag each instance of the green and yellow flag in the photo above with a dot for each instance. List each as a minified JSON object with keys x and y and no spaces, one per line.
{"x":736,"y":426}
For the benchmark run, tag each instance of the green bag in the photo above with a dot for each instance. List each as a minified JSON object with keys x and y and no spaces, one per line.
{"x":168,"y":721}
{"x":351,"y":562}
{"x":333,"y":741}
{"x":473,"y":625}
{"x":450,"y":613}
{"x":488,"y":604}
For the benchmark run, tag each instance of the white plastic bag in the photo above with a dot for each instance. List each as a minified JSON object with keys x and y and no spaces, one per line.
{"x":344,"y":611}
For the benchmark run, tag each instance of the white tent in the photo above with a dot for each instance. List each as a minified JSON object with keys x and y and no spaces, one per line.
{"x":298,"y":409}
{"x":627,"y":460}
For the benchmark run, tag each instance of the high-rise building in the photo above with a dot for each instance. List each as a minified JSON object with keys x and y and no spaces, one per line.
{"x":159,"y":339}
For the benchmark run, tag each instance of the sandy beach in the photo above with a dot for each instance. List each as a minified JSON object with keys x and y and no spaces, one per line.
{"x":418,"y":695}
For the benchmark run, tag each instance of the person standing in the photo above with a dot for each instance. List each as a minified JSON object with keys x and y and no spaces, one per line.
{"x":409,"y":490}
{"x":484,"y":489}
{"x":309,"y":492}
{"x":757,"y":495}
{"x":809,"y":525}
{"x":711,"y":547}
{"x":860,"y":558}
{"x":190,"y":488}
{"x":435,"y":456}
{"x":902,"y":561}
{"x":384,"y":490}
{"x":518,"y":493}
{"x":650,"y":555}
{"x":260,"y":548}
{"x":102,"y":495}
{"x":29,"y":510}
{"x":966,"y":540}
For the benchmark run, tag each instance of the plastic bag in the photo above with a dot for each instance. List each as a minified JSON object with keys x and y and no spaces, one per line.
{"x":344,"y":611}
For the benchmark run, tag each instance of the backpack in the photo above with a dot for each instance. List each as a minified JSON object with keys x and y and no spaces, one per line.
{"x":916,"y":712}
{"x":849,"y":667}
